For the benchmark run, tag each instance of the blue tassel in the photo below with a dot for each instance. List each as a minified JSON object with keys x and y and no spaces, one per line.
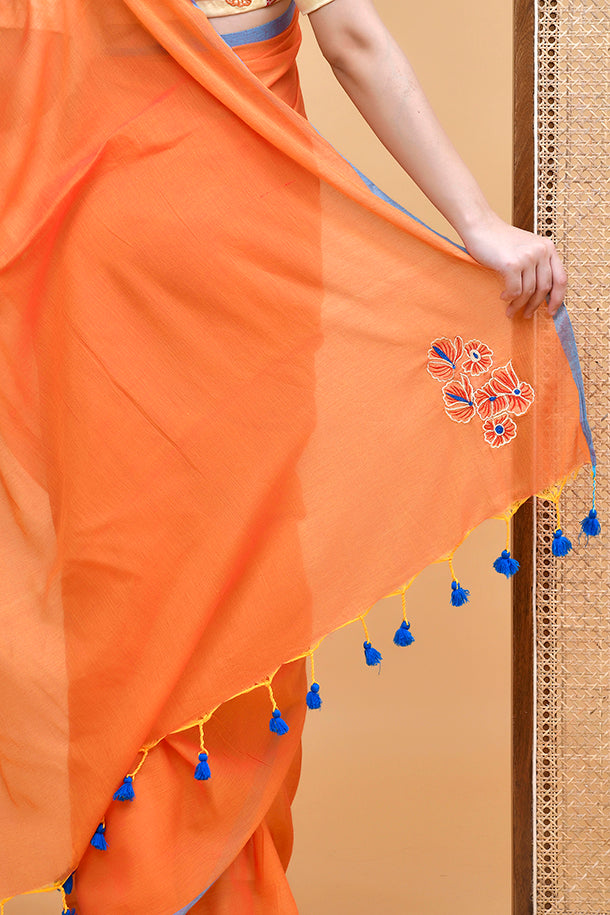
{"x":313,"y":696}
{"x":403,"y":634}
{"x":590,"y":525}
{"x":69,"y":911}
{"x":277,"y":723}
{"x":561,"y":544}
{"x":69,"y":885}
{"x":371,"y":655}
{"x":459,"y":595}
{"x":98,"y":840}
{"x":202,"y":769}
{"x":125,"y":792}
{"x":506,"y":565}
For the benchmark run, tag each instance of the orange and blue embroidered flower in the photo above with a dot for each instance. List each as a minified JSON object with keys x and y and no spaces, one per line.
{"x":452,"y":362}
{"x":518,"y":395}
{"x":443,"y":357}
{"x":488,"y":402}
{"x":478,"y":358}
{"x":459,"y":400}
{"x":499,"y":430}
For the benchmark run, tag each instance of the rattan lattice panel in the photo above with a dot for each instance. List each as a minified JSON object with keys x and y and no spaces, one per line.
{"x":572,"y":599}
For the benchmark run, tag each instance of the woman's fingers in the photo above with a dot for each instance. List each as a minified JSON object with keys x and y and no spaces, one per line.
{"x":560,"y":282}
{"x":544,"y":284}
{"x":542,"y":279}
{"x":529,"y":264}
{"x":527,"y":281}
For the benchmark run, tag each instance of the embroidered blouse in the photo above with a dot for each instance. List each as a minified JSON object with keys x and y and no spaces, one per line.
{"x":225,"y":7}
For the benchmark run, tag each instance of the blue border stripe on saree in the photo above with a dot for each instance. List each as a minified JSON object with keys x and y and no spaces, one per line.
{"x":187,"y":908}
{"x":259,"y":32}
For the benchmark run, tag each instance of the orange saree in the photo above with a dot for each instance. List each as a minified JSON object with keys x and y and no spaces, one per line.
{"x":243,"y":397}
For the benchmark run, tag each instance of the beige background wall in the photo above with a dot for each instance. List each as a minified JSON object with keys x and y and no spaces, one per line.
{"x":404,"y":804}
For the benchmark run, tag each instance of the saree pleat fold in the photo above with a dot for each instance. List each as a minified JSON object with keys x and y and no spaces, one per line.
{"x":220,"y":439}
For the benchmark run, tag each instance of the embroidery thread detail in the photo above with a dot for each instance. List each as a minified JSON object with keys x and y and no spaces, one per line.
{"x":443,"y":357}
{"x":478,"y":358}
{"x":503,"y":396}
{"x":499,"y":430}
{"x":459,"y":403}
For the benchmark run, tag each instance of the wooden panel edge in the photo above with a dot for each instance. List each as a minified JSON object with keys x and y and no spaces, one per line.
{"x":523,"y":522}
{"x":523,"y":715}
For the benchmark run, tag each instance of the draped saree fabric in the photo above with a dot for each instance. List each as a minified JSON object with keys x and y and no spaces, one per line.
{"x":243,"y":398}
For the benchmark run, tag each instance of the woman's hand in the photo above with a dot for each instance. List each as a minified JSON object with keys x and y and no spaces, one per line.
{"x":529,"y":264}
{"x":379,"y":79}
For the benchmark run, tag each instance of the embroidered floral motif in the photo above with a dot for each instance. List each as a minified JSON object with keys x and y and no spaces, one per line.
{"x":458,"y":396}
{"x":443,"y":356}
{"x":451,"y":362}
{"x":499,"y":430}
{"x":478,"y":358}
{"x":488,"y":402}
{"x":519,"y":395}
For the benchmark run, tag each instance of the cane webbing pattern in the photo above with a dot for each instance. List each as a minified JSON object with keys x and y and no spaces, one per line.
{"x":572,"y":598}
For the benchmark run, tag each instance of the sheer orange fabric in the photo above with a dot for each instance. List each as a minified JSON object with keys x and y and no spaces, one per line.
{"x":243,"y":398}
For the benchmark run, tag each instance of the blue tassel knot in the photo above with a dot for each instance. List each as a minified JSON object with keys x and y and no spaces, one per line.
{"x":277,"y":723}
{"x":459,"y":595}
{"x":69,"y":911}
{"x":506,"y":565}
{"x":403,"y":635}
{"x":313,"y":696}
{"x":69,"y":885}
{"x":98,"y":840}
{"x":202,"y":769}
{"x":372,"y":656}
{"x":125,"y":792}
{"x":561,"y":544}
{"x":590,"y":525}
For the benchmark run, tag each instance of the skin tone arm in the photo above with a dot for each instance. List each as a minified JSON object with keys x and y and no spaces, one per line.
{"x":381,"y":83}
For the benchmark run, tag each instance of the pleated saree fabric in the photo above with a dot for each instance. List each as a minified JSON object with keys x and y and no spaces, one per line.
{"x":243,"y":398}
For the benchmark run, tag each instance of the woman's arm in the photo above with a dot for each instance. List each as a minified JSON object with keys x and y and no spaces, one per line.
{"x":378,"y":78}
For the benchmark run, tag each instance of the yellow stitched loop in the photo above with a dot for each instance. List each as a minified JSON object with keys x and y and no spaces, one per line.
{"x":277,"y":725}
{"x":561,"y":545}
{"x":451,"y":569}
{"x":201,"y":740}
{"x":459,"y":595}
{"x":271,"y":696}
{"x":126,"y":791}
{"x":144,"y":753}
{"x":202,"y":769}
{"x":371,"y":655}
{"x":505,"y":564}
{"x":313,"y":670}
{"x":313,"y":698}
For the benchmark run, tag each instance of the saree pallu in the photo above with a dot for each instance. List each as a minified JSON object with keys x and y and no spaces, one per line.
{"x":244,"y":396}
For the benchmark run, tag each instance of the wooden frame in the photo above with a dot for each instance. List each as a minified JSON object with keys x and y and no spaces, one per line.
{"x":523,"y":523}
